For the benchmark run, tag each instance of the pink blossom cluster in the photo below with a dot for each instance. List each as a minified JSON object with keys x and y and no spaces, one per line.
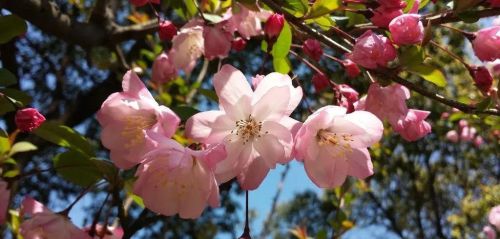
{"x":197,"y":38}
{"x":244,"y":139}
{"x":389,"y":103}
{"x":386,"y":11}
{"x":490,"y":231}
{"x":407,"y":29}
{"x":465,"y":133}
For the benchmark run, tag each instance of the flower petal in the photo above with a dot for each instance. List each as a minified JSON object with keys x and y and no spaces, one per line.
{"x":272,"y":105}
{"x":209,"y":127}
{"x":270,"y":150}
{"x":366,"y":129}
{"x":283,"y":135}
{"x":276,"y":80}
{"x":253,"y":175}
{"x":230,"y":85}
{"x":360,"y":164}
{"x":327,"y":171}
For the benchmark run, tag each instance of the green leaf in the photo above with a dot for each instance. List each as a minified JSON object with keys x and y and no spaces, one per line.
{"x":64,"y":136}
{"x":429,"y":73}
{"x":107,"y":169}
{"x":411,"y":55}
{"x":210,"y":94}
{"x":12,"y":26}
{"x":22,"y":146}
{"x":213,"y":18}
{"x":282,"y":65}
{"x":322,"y":7}
{"x":324,"y":22}
{"x":282,"y":45}
{"x":7,"y":78}
{"x":184,"y":111}
{"x":4,"y":142}
{"x":12,"y":173}
{"x":18,"y":97}
{"x":77,"y":168}
{"x":298,"y":8}
{"x":469,"y":16}
{"x":5,"y":106}
{"x":484,"y":104}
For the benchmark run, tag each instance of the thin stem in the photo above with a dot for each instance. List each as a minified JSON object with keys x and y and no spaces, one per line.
{"x":199,"y":11}
{"x":246,"y":230}
{"x":334,"y":58}
{"x":450,"y":53}
{"x":66,"y":211}
{"x":343,"y":34}
{"x":468,"y":35}
{"x":199,"y":79}
{"x":305,"y":61}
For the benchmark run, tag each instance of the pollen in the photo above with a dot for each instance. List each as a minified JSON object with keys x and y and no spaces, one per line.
{"x":134,"y":124}
{"x":340,"y":140}
{"x":248,"y":129}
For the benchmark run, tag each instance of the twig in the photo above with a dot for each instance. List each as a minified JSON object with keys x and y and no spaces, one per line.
{"x":199,"y":79}
{"x":274,"y":204}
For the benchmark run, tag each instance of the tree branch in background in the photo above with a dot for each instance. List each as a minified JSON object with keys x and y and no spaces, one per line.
{"x":388,"y":215}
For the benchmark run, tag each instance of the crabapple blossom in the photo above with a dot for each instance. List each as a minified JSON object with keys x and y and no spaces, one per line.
{"x":163,"y":69}
{"x":407,"y":29}
{"x":43,"y":223}
{"x":467,"y":133}
{"x":482,"y":78}
{"x":383,"y":15}
{"x":177,"y":175}
{"x":4,"y":200}
{"x":372,"y":51}
{"x":312,"y":48}
{"x":246,"y":22}
{"x":478,"y":141}
{"x":489,"y":232}
{"x":486,"y":42}
{"x":494,"y":217}
{"x":257,"y":135}
{"x":187,"y":46}
{"x":28,"y":119}
{"x":274,"y":25}
{"x":102,"y":232}
{"x":333,"y":144}
{"x":320,"y":82}
{"x":238,"y":44}
{"x":167,"y":30}
{"x":217,"y":42}
{"x":348,"y":97}
{"x":130,"y":118}
{"x":413,"y":126}
{"x":452,"y":136}
{"x":351,"y":68}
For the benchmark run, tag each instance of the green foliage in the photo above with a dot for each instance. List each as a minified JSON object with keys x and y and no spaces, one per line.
{"x":280,"y":50}
{"x":297,"y":8}
{"x":184,"y":112}
{"x":22,"y":146}
{"x":322,"y":7}
{"x":77,"y":168}
{"x":7,"y":78}
{"x":64,"y":137}
{"x":12,"y":26}
{"x":429,"y":73}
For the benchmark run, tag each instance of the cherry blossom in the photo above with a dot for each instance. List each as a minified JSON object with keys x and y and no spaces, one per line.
{"x":102,"y":232}
{"x":177,"y":175}
{"x":28,"y":119}
{"x":256,"y":134}
{"x":392,"y":3}
{"x":486,"y":42}
{"x":413,"y":125}
{"x":333,"y":144}
{"x":494,"y":217}
{"x":130,"y":118}
{"x":217,"y":42}
{"x":246,"y":22}
{"x":452,"y":136}
{"x":489,"y":232}
{"x":43,"y":223}
{"x":320,"y":82}
{"x":372,"y":51}
{"x":163,"y":69}
{"x":187,"y":46}
{"x":238,"y":44}
{"x":351,"y":68}
{"x":4,"y":200}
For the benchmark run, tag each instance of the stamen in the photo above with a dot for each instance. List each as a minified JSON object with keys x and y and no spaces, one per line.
{"x":134,"y":124}
{"x":326,"y":137}
{"x":247,"y":129}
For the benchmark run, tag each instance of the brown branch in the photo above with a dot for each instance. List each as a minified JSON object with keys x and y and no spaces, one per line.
{"x":450,"y":16}
{"x":390,"y":216}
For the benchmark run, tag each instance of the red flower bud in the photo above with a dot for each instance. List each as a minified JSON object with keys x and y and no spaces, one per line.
{"x":239,"y":44}
{"x":140,"y":3}
{"x":482,"y":78}
{"x":351,"y":68}
{"x":167,"y":31}
{"x":320,"y":82}
{"x":274,"y":25}
{"x":312,"y":48}
{"x":28,"y":119}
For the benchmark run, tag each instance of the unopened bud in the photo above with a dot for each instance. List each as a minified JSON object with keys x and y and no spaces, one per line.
{"x":167,"y":31}
{"x":28,"y":119}
{"x":274,"y":25}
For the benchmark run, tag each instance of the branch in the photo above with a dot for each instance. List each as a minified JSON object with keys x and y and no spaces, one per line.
{"x":450,"y":16}
{"x":387,"y":214}
{"x":47,"y":16}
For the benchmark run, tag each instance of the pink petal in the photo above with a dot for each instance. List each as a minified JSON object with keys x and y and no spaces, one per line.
{"x":231,"y":85}
{"x":134,"y":87}
{"x":275,"y":80}
{"x":366,"y":129}
{"x":360,"y":164}
{"x":253,"y":175}
{"x":263,"y":109}
{"x":30,"y":206}
{"x":326,"y":171}
{"x":283,"y":135}
{"x":209,"y":127}
{"x":270,"y":150}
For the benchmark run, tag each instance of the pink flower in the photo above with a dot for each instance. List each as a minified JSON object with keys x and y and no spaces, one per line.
{"x":383,"y":15}
{"x":494,"y":217}
{"x":256,"y":80}
{"x":392,"y":3}
{"x":372,"y":51}
{"x":274,"y":25}
{"x":407,"y":29}
{"x":179,"y":176}
{"x":43,"y":223}
{"x":482,"y":78}
{"x":163,"y":69}
{"x":467,"y":133}
{"x":238,"y":44}
{"x":217,"y":42}
{"x":351,"y":68}
{"x":452,"y":136}
{"x":348,"y":97}
{"x":489,"y":232}
{"x":188,"y":46}
{"x":140,"y":3}
{"x":413,"y":126}
{"x":312,"y":48}
{"x":387,"y":102}
{"x":28,"y":119}
{"x":256,"y":134}
{"x":167,"y":30}
{"x":102,"y":232}
{"x":246,"y":22}
{"x":333,"y":144}
{"x":130,"y":119}
{"x":320,"y":82}
{"x":486,"y":43}
{"x":4,"y":200}
{"x":478,"y":141}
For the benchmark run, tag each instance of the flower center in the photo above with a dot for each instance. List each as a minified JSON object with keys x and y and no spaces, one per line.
{"x":326,"y":137}
{"x":247,"y":129}
{"x":134,"y":124}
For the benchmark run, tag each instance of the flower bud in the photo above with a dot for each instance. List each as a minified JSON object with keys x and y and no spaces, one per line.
{"x":239,"y":44}
{"x":167,"y":31}
{"x":372,"y":51}
{"x":28,"y":119}
{"x":320,"y":82}
{"x":482,"y":78}
{"x":383,"y":15}
{"x":351,"y":68}
{"x":163,"y":69}
{"x":312,"y":48}
{"x":407,"y":29}
{"x":452,"y":136}
{"x":274,"y":25}
{"x":486,"y":43}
